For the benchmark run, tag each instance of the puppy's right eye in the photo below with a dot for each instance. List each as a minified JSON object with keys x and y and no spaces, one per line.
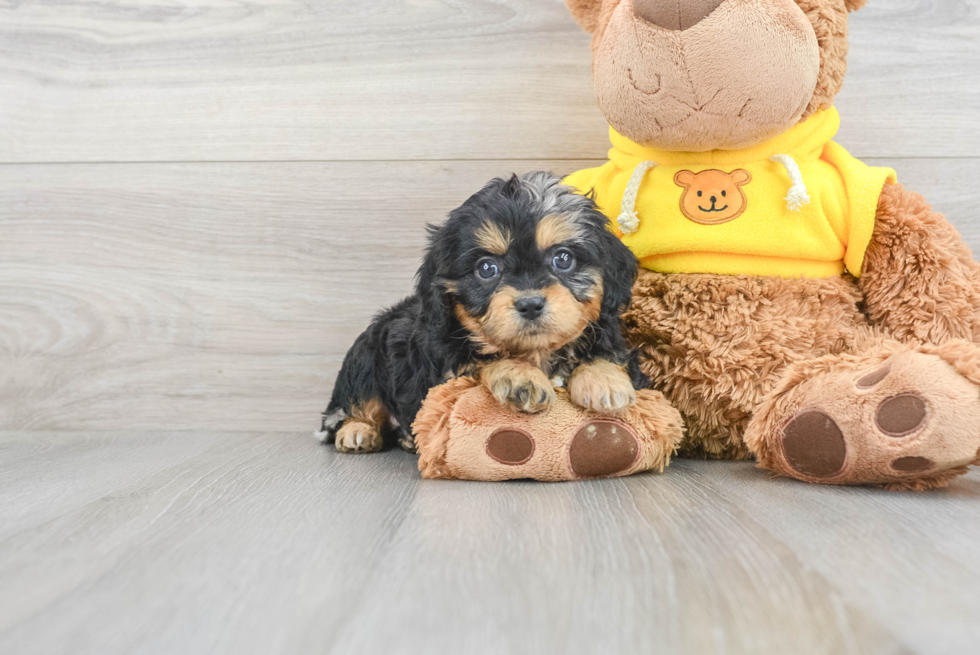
{"x":487,"y":268}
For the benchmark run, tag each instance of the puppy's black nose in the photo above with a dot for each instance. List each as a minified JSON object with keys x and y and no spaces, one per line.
{"x":714,"y":199}
{"x":530,"y":307}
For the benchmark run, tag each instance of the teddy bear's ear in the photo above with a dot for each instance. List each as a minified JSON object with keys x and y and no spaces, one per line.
{"x":586,"y":12}
{"x":854,"y":5}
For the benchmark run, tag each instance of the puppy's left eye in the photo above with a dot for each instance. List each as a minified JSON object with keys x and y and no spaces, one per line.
{"x":487,"y":268}
{"x":563,"y":260}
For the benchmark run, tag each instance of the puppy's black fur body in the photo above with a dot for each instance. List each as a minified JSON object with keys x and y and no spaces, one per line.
{"x":421,"y":342}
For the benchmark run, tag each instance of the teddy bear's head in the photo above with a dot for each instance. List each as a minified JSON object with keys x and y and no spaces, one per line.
{"x":696,"y":75}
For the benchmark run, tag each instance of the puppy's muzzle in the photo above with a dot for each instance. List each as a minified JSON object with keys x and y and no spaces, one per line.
{"x":530,"y":307}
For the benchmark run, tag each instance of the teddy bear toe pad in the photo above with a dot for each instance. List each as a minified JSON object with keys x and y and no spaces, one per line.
{"x":601,"y":448}
{"x":913,"y":417}
{"x":510,"y":446}
{"x":813,"y":444}
{"x":901,"y":415}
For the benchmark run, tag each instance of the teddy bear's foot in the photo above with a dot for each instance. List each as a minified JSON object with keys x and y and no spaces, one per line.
{"x":902,"y":420}
{"x":462,"y":432}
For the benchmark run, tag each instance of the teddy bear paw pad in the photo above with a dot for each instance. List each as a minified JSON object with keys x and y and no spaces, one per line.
{"x":912,"y":464}
{"x":601,"y":448}
{"x":510,"y":446}
{"x":873,"y":378}
{"x":813,"y":444}
{"x":901,"y":415}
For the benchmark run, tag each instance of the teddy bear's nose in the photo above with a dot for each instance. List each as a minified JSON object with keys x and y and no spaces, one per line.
{"x":674,"y":14}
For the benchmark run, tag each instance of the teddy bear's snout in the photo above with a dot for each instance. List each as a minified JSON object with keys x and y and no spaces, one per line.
{"x":675,"y":14}
{"x":697,"y":75}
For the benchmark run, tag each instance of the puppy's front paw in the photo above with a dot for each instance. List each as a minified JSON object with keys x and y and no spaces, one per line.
{"x":358,"y":437}
{"x":602,"y":387}
{"x":407,"y":441}
{"x":524,"y":387}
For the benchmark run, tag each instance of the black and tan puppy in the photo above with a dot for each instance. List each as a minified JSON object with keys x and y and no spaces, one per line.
{"x":521,"y":286}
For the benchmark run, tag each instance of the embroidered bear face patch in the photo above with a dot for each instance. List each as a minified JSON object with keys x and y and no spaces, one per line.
{"x":712,"y":197}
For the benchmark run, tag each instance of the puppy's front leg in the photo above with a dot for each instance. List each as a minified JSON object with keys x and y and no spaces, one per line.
{"x":602,"y":386}
{"x":522,"y":386}
{"x":361,"y":433}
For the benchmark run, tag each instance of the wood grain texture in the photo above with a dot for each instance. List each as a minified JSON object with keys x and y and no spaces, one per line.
{"x":204,"y":80}
{"x":188,"y":296}
{"x":920,"y":550}
{"x":262,"y":543}
{"x":45,"y":476}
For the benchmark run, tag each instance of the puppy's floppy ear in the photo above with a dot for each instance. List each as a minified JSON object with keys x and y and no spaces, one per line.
{"x":854,"y":5}
{"x":618,"y":274}
{"x":429,"y":281}
{"x":586,"y":12}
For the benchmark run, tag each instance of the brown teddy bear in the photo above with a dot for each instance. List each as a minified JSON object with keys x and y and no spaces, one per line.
{"x":795,"y":305}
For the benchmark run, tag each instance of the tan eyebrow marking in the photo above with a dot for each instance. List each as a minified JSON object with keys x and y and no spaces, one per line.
{"x":556,"y":229}
{"x":493,"y":239}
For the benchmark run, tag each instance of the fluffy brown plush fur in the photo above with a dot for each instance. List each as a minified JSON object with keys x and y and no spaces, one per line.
{"x":829,"y":21}
{"x":919,"y":279}
{"x":717,"y":345}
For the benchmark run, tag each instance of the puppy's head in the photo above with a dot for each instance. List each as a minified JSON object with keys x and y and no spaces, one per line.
{"x":525,"y":265}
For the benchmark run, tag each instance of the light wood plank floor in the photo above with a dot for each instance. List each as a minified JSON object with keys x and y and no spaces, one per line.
{"x":201,"y":204}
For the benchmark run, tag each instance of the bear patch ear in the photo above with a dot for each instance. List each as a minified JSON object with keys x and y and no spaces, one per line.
{"x":741,"y":177}
{"x":684,"y":178}
{"x":586,"y":12}
{"x":854,"y":5}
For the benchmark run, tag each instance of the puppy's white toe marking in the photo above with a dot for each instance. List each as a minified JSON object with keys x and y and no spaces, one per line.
{"x":358,"y":437}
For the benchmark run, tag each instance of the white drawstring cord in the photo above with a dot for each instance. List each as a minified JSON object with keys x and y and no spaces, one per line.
{"x":629,"y":221}
{"x":797,"y":195}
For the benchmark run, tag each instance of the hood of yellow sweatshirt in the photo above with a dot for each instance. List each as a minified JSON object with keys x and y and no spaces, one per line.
{"x":804,"y":142}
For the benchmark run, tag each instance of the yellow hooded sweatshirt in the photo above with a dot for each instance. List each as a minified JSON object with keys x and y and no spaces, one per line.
{"x":796,"y":206}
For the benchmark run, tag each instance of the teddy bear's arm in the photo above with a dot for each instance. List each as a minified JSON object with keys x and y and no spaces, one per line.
{"x":919,"y":279}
